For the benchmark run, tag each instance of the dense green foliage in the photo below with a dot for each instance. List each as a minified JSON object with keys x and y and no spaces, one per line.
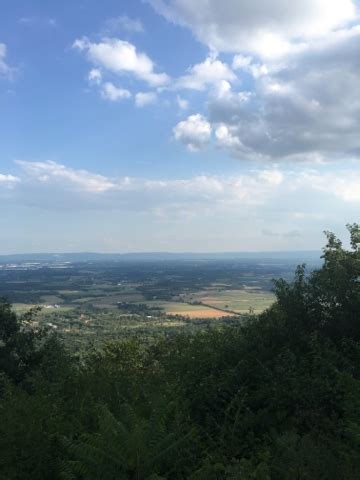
{"x":277,"y":397}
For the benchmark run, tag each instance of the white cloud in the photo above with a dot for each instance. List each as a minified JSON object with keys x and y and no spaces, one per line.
{"x":26,"y":20}
{"x":123,"y":22}
{"x":95,"y":76}
{"x":251,"y":188}
{"x":344,"y":186}
{"x":254,"y":187}
{"x":241,"y":62}
{"x":143,"y":99}
{"x":267,"y":202}
{"x":210,"y":72}
{"x":110,"y":92}
{"x":267,"y":28}
{"x":55,"y":173}
{"x":289,"y":234}
{"x":247,"y":64}
{"x":182,"y":103}
{"x":8,"y":180}
{"x":304,"y":108}
{"x":225,"y":138}
{"x":38,"y":21}
{"x":194,"y":132}
{"x":302,"y":57}
{"x":4,"y":67}
{"x":121,"y":57}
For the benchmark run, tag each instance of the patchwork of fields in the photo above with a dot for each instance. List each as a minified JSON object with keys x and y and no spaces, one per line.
{"x":212,"y":303}
{"x":95,"y":301}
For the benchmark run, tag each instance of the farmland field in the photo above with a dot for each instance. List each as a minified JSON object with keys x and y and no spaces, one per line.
{"x":238,"y":301}
{"x":192,"y":311}
{"x":92,"y":301}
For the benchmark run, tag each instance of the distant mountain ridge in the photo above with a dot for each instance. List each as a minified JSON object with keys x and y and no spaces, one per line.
{"x":306,"y":255}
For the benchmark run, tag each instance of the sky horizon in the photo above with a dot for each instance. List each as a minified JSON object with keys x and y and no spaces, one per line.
{"x":178,"y":126}
{"x":142,"y":252}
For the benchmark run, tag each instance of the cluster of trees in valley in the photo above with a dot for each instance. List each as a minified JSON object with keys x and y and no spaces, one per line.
{"x":275,"y":397}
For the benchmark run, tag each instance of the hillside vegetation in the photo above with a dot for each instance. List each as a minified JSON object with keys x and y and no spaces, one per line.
{"x":275,"y":397}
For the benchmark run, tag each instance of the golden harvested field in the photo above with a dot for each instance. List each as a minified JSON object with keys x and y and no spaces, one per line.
{"x":192,"y":311}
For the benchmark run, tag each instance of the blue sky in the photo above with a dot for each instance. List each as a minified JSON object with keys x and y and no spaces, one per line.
{"x":174,"y":125}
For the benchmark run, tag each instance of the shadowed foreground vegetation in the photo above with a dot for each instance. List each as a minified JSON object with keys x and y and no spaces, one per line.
{"x":277,"y":397}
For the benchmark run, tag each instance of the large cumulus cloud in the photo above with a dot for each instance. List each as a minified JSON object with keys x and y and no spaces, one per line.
{"x":296,"y":92}
{"x":306,"y":106}
{"x":256,"y":25}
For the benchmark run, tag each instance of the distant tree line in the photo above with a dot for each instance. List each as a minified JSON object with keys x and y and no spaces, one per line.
{"x":138,"y":309}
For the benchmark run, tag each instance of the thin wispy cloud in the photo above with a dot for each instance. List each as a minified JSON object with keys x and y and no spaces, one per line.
{"x":121,"y":24}
{"x":35,"y":21}
{"x":5,"y":69}
{"x":253,"y":187}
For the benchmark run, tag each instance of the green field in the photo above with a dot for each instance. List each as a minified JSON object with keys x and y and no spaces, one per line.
{"x":239,"y":301}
